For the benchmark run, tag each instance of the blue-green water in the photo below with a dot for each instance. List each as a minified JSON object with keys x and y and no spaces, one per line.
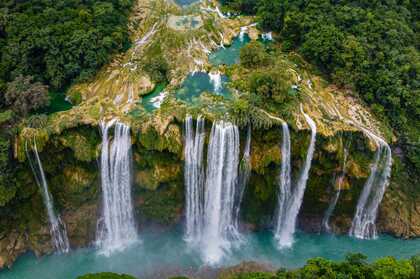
{"x":185,"y":2}
{"x":153,"y":100}
{"x":198,"y":83}
{"x":167,"y":253}
{"x":229,"y":55}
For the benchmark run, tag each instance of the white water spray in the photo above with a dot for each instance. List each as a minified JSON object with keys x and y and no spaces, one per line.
{"x":117,"y":228}
{"x":57,"y":227}
{"x":216,"y":81}
{"x":219,"y":231}
{"x":285,"y":182}
{"x":363,"y":225}
{"x":194,"y":178}
{"x":339,"y":182}
{"x":285,"y":228}
{"x":242,"y":33}
{"x":267,"y":36}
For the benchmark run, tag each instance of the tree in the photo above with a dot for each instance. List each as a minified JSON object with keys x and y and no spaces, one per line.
{"x":390,"y":268}
{"x":254,"y":55}
{"x":24,"y":95}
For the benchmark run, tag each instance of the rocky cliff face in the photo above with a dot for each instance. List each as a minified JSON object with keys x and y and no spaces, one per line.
{"x":71,"y":165}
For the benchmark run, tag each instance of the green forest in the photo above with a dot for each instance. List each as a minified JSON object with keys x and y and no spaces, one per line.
{"x":369,"y":47}
{"x":354,"y":266}
{"x":45,"y":46}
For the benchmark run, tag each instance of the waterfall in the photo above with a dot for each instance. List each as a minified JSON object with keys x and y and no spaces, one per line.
{"x":333,"y":204}
{"x":57,"y":227}
{"x":244,"y":29}
{"x":363,"y":225}
{"x":194,"y":178}
{"x":292,"y":199}
{"x":222,"y":174}
{"x":216,"y":80}
{"x":267,"y":36}
{"x":285,"y":180}
{"x":117,"y":227}
{"x":244,"y":175}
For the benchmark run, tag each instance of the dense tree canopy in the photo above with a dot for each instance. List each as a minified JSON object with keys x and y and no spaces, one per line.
{"x":369,"y":46}
{"x":48,"y":44}
{"x":60,"y":41}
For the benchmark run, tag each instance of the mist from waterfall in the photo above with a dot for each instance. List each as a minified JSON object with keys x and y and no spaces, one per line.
{"x":219,"y":230}
{"x":363,"y":225}
{"x":116,"y":228}
{"x":58,"y":230}
{"x":290,"y":201}
{"x":339,"y":182}
{"x":194,"y":178}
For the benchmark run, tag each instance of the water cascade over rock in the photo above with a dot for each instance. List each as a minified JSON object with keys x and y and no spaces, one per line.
{"x":116,"y":229}
{"x":290,"y":200}
{"x":363,"y":225}
{"x":194,"y":178}
{"x":216,"y":81}
{"x":333,"y":204}
{"x":285,"y":181}
{"x":57,"y":227}
{"x":219,"y":230}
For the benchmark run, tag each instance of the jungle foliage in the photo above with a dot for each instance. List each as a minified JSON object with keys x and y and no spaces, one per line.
{"x":45,"y":46}
{"x":354,"y":266}
{"x":59,"y":42}
{"x":371,"y":47}
{"x":265,"y":86}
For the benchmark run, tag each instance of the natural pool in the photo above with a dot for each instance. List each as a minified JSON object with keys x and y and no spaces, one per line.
{"x":197,"y":83}
{"x":185,"y":2}
{"x":229,"y":55}
{"x":154,"y":99}
{"x":167,"y":254}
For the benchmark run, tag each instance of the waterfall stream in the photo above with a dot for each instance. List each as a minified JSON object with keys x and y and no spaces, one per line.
{"x":57,"y":227}
{"x":285,"y":181}
{"x":363,"y":225}
{"x":244,"y":175}
{"x":216,"y":81}
{"x":116,"y":229}
{"x":219,"y":231}
{"x":194,"y":178}
{"x":339,"y":182}
{"x":291,"y":203}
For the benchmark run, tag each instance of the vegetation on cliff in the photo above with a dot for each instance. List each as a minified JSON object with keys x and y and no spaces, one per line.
{"x":368,"y":46}
{"x":49,"y":45}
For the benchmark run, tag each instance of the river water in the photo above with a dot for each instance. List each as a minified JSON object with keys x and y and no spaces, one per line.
{"x":158,"y":255}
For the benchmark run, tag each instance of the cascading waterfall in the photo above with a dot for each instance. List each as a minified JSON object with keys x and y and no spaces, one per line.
{"x":242,"y":33}
{"x":194,"y":178}
{"x":292,"y":202}
{"x":333,"y":204}
{"x":216,"y":80}
{"x":57,"y":227}
{"x":285,"y":181}
{"x":363,"y":225}
{"x":244,"y":175}
{"x":219,"y":230}
{"x":267,"y":36}
{"x":117,"y":228}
